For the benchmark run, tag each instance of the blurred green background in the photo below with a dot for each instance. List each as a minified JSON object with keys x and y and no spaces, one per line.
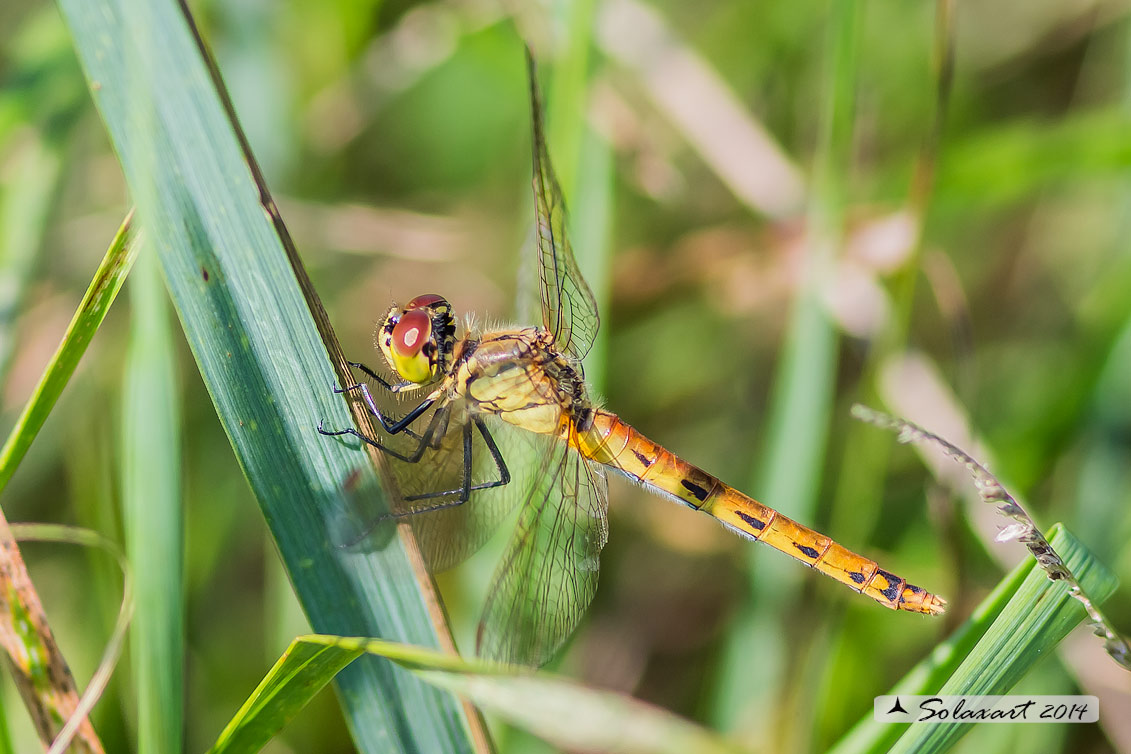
{"x":784,"y":207}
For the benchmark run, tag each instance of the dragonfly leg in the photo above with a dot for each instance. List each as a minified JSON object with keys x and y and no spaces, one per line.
{"x":431,"y":438}
{"x":464,"y":491}
{"x":440,"y":419}
{"x":364,"y":438}
{"x":394,"y":387}
{"x":426,"y":440}
{"x":417,"y":511}
{"x":391,"y":387}
{"x":392,"y":427}
{"x":496,"y":456}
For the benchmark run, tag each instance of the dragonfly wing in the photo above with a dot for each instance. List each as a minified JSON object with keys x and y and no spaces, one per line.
{"x":569,"y":310}
{"x":548,"y":576}
{"x":447,"y":532}
{"x":449,"y":535}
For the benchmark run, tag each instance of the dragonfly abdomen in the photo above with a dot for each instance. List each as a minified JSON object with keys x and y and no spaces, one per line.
{"x":612,"y":442}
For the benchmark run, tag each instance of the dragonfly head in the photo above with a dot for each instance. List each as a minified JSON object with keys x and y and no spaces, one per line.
{"x":417,"y":339}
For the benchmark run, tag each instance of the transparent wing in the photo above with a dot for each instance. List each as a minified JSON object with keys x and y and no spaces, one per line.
{"x":448,"y":531}
{"x":569,"y":310}
{"x":427,"y":493}
{"x":548,"y":576}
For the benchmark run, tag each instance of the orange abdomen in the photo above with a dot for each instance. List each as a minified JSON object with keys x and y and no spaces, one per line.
{"x":611,"y":442}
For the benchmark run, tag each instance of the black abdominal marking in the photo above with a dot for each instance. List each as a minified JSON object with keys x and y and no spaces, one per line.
{"x":809,"y":552}
{"x":699,"y":493}
{"x":759,"y":525}
{"x":893,"y":585}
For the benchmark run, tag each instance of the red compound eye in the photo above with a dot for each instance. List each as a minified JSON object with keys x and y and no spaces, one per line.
{"x":412,"y":332}
{"x":428,"y":299}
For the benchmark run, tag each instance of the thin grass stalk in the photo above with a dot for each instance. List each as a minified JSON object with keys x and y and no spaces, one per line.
{"x":790,"y":470}
{"x":153,"y":513}
{"x":92,"y":310}
{"x":865,"y":457}
{"x":584,"y":165}
{"x":40,"y":670}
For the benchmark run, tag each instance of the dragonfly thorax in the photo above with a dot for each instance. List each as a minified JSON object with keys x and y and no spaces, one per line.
{"x":417,"y":339}
{"x":519,"y":376}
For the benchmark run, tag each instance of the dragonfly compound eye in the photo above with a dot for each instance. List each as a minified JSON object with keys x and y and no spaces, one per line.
{"x":428,"y":299}
{"x":410,"y":358}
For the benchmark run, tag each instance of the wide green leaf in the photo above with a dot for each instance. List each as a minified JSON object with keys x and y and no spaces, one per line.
{"x":249,"y":316}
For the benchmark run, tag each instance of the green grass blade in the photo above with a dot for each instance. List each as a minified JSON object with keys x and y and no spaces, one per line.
{"x":103,"y":289}
{"x":789,"y":474}
{"x":583,"y":161}
{"x":5,"y":736}
{"x":572,"y":717}
{"x":303,"y":670}
{"x":238,"y":288}
{"x":1007,"y":163}
{"x":1022,"y":620}
{"x":567,"y":97}
{"x":566,"y":714}
{"x":592,"y":230}
{"x":151,"y":498}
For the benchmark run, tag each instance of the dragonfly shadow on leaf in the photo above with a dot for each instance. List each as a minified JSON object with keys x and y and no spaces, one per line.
{"x":362,"y":523}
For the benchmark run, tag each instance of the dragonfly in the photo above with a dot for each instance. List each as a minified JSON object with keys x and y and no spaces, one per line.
{"x":521,"y":392}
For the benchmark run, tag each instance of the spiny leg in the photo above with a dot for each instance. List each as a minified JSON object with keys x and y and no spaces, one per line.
{"x":392,"y":388}
{"x":432,"y":437}
{"x":465,"y":490}
{"x":428,"y":439}
{"x":440,"y":418}
{"x":392,"y":428}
